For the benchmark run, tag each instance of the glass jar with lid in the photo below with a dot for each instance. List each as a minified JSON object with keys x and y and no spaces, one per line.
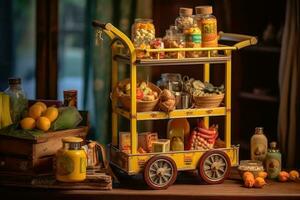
{"x":170,"y":81}
{"x":18,"y":99}
{"x":71,"y":161}
{"x":208,"y":25}
{"x":174,"y":39}
{"x":157,"y":43}
{"x":185,"y":19}
{"x":193,"y":40}
{"x":142,"y":33}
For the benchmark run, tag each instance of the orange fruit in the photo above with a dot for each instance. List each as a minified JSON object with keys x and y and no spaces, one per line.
{"x":259,"y":182}
{"x":51,"y":113}
{"x":262,"y":174}
{"x":283,"y":176}
{"x":35,"y":111}
{"x":249,"y":181}
{"x":247,"y":174}
{"x":294,"y":175}
{"x":43,"y":123}
{"x":41,"y":104}
{"x":27,"y":123}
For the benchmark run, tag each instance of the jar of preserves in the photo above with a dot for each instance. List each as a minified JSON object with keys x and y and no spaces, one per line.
{"x":18,"y":99}
{"x":157,"y":43}
{"x":174,"y":40}
{"x":143,"y":32}
{"x":71,"y":161}
{"x":259,"y":145}
{"x":170,"y":81}
{"x":208,"y":25}
{"x":273,"y":161}
{"x":185,"y":19}
{"x":192,"y":40}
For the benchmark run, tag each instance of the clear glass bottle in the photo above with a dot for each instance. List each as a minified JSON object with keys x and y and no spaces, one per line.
{"x":208,"y":25}
{"x":259,"y":145}
{"x":18,"y":99}
{"x":273,"y":161}
{"x":142,"y":33}
{"x":185,"y":19}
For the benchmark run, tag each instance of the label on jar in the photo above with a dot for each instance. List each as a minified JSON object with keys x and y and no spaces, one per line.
{"x":195,"y":38}
{"x":273,"y":167}
{"x":82,"y":165}
{"x":209,"y":33}
{"x":65,"y":165}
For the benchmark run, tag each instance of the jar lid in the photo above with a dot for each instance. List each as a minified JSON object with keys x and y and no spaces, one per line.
{"x":143,"y":20}
{"x":14,"y":80}
{"x":204,"y":10}
{"x":186,"y":11}
{"x":72,"y":139}
{"x":259,"y":130}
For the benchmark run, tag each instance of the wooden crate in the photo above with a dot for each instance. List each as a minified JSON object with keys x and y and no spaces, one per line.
{"x":34,"y":155}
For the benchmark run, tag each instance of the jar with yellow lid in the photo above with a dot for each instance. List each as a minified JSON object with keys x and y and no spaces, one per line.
{"x":71,"y":161}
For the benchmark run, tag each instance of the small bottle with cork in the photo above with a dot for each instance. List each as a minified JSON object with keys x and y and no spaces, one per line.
{"x":273,"y":161}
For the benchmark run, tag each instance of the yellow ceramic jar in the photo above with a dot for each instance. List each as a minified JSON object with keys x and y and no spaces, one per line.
{"x":71,"y":161}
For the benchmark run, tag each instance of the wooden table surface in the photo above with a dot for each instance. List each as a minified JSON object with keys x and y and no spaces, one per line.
{"x":185,"y":188}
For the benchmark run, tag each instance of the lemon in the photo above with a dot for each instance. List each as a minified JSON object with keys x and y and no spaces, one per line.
{"x":35,"y":111}
{"x":27,"y":123}
{"x":43,"y":123}
{"x":51,"y":113}
{"x":41,"y":104}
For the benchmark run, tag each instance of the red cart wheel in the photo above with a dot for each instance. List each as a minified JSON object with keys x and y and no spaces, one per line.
{"x":160,"y":172}
{"x":214,"y":167}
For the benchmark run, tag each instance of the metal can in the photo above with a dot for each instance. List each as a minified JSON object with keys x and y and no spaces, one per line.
{"x":70,"y":98}
{"x":71,"y":161}
{"x":185,"y":100}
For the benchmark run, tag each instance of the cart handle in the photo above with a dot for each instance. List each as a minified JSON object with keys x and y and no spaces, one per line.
{"x":97,"y":23}
{"x":242,"y":40}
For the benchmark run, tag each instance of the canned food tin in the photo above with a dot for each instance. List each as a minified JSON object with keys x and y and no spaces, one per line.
{"x":185,"y":101}
{"x":70,"y":98}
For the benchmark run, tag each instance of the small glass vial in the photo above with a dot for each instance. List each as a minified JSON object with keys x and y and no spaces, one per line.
{"x":185,"y":19}
{"x":273,"y":161}
{"x":208,"y":25}
{"x":18,"y":100}
{"x":142,"y":33}
{"x":71,"y":161}
{"x":259,"y":145}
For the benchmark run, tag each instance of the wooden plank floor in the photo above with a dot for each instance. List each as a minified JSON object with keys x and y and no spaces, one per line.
{"x":187,"y":187}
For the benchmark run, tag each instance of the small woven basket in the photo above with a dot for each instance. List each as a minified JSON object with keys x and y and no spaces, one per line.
{"x":142,"y":106}
{"x":208,"y":101}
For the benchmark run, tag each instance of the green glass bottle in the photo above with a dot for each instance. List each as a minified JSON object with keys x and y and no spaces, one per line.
{"x":273,"y":161}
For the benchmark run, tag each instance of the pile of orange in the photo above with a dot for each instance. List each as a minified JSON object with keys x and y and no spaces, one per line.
{"x":39,"y":116}
{"x":258,"y":182}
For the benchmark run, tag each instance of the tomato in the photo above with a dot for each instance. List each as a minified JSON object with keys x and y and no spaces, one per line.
{"x":139,"y":94}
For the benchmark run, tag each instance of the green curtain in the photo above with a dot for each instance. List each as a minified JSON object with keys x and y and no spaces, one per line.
{"x":98,"y":62}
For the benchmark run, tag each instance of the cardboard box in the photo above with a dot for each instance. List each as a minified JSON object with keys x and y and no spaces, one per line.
{"x":146,"y":139}
{"x":161,"y":145}
{"x":124,"y":142}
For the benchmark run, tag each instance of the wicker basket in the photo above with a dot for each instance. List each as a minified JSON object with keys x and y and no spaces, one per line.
{"x":142,"y":106}
{"x":208,"y":101}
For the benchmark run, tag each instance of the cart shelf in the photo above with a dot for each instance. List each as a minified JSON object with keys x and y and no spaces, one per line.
{"x":178,"y":113}
{"x":171,"y":62}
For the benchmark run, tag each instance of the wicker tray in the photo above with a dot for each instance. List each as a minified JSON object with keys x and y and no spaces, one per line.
{"x":208,"y":101}
{"x":142,"y":106}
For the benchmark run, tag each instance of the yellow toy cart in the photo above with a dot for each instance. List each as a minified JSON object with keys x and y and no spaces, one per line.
{"x":160,"y":169}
